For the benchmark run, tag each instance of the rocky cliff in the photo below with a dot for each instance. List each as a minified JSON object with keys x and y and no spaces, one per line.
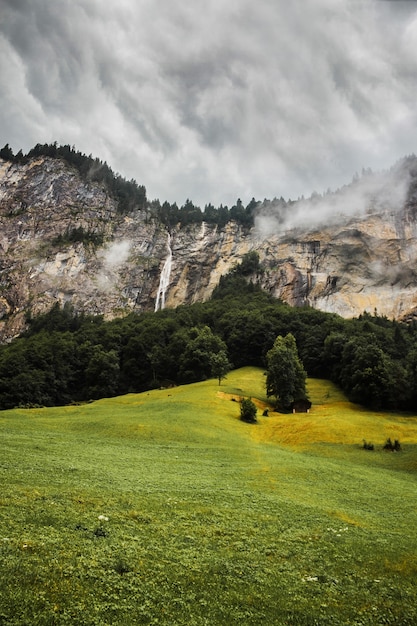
{"x":62,"y":239}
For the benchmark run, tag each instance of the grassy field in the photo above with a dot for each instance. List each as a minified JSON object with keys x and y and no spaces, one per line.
{"x":165,"y":508}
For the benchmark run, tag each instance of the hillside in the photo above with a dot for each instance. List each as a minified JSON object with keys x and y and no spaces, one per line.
{"x":164,"y":508}
{"x":65,"y":239}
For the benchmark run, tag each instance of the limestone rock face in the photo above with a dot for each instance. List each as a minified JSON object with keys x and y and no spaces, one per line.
{"x":115,"y":267}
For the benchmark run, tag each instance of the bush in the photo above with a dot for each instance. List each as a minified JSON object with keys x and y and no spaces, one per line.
{"x":247,"y":411}
{"x":367,"y":445}
{"x":392,"y":446}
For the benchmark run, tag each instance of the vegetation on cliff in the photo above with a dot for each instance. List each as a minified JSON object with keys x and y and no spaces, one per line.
{"x":130,"y":196}
{"x":66,"y":357}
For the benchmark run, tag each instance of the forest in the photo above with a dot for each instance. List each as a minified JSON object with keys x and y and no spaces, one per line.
{"x":65,"y":357}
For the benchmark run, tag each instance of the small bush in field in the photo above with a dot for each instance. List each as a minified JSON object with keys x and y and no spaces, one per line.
{"x":367,"y":445}
{"x":392,"y":446}
{"x":247,"y":411}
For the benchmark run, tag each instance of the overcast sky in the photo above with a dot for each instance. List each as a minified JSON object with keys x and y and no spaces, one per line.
{"x":212,"y":99}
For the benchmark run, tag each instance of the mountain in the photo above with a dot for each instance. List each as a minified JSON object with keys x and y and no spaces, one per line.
{"x":63,"y":238}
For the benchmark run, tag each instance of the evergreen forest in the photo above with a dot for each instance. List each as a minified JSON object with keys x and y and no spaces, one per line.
{"x":65,"y":357}
{"x":130,"y":196}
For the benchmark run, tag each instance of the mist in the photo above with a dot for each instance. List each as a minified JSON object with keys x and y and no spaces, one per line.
{"x":370,"y":193}
{"x":112,"y":257}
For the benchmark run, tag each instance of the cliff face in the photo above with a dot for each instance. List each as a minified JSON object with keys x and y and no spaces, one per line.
{"x":62,"y":239}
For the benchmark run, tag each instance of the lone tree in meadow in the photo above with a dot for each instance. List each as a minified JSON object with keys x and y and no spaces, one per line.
{"x":220,"y":365}
{"x":286,"y":377}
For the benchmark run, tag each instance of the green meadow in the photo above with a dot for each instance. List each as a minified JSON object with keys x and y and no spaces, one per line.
{"x":164,"y":508}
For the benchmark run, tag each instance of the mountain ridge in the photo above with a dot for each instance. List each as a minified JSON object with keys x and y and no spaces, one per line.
{"x":64,"y":239}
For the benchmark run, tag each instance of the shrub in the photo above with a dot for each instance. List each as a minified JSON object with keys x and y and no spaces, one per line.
{"x":247,"y":411}
{"x":367,"y":445}
{"x":392,"y":447}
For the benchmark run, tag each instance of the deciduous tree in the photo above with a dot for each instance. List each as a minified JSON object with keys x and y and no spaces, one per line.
{"x":219,"y":365}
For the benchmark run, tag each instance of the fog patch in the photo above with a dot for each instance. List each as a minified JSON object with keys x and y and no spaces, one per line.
{"x":399,"y":275}
{"x":368,"y":194}
{"x":112,"y":258}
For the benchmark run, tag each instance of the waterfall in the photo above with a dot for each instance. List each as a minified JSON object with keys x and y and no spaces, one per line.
{"x":203,"y":230}
{"x":164,"y":279}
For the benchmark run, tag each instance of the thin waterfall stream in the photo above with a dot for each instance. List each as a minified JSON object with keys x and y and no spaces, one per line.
{"x":164,"y":278}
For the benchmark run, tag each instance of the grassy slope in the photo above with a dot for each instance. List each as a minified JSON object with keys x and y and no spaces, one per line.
{"x":210,"y":521}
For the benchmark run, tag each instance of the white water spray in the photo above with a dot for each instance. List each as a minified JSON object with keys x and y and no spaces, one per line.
{"x":203,"y":230}
{"x":164,"y":279}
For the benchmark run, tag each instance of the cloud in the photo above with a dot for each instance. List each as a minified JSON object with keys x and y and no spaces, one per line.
{"x":213,"y":100}
{"x":367,"y":194}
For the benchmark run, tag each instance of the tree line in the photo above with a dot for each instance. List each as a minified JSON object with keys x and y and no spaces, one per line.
{"x":171,"y":215}
{"x":131,"y":197}
{"x":66,"y":357}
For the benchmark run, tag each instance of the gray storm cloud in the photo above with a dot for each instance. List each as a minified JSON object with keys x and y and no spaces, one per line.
{"x":213,"y":100}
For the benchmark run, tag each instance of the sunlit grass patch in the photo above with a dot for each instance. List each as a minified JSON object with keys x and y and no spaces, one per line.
{"x":334,"y":420}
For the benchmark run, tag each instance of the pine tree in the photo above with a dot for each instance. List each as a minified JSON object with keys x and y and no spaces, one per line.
{"x":286,"y":377}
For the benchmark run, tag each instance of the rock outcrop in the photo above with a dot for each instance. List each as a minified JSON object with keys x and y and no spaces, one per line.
{"x":63,"y":239}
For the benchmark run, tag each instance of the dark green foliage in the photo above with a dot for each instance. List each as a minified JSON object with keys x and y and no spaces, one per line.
{"x":368,"y":445}
{"x":411,"y":373}
{"x":286,"y":377}
{"x":211,"y":214}
{"x":58,"y":319}
{"x":40,"y":370}
{"x":237,"y":281}
{"x":6,"y":153}
{"x":129,"y":195}
{"x":248,"y":335}
{"x":249,"y":264}
{"x":392,"y":446}
{"x":196,"y":359}
{"x":242,"y":215}
{"x":361,"y":359}
{"x":369,"y":372}
{"x":189,"y":214}
{"x":233,"y":285}
{"x":220,"y":365}
{"x":248,"y":411}
{"x":101,"y":373}
{"x":79,"y":235}
{"x":65,"y":357}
